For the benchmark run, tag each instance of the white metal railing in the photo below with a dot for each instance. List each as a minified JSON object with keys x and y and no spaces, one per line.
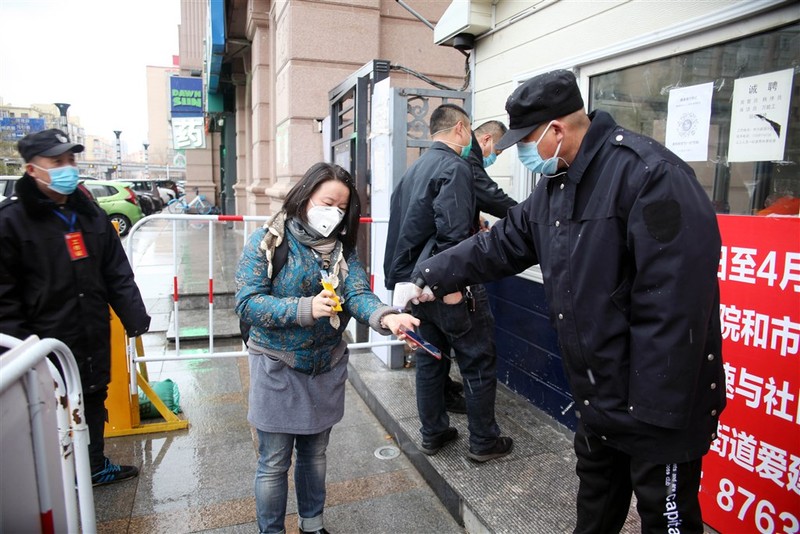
{"x":20,"y":365}
{"x":210,"y":220}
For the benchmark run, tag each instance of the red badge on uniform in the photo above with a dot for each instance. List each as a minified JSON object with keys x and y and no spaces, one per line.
{"x":75,"y":246}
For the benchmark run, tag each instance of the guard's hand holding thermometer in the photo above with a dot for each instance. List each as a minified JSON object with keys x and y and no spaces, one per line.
{"x":405,"y":292}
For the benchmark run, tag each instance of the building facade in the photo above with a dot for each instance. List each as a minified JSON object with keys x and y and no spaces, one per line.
{"x":716,"y":81}
{"x":279,"y":61}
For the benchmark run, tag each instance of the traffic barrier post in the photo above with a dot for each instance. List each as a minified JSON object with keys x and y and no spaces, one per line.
{"x":123,"y":390}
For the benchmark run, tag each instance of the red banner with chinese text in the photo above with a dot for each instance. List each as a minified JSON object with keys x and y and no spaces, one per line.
{"x":751,"y":475}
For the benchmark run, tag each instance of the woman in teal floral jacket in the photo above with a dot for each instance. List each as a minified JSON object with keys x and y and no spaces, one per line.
{"x":298,"y":357}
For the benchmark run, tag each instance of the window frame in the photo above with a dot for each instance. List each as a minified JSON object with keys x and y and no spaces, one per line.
{"x":736,"y":21}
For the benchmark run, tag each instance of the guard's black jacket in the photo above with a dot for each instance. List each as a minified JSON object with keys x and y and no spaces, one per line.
{"x":489,"y":197}
{"x":432,"y":209}
{"x":44,"y":292}
{"x":629,"y":248}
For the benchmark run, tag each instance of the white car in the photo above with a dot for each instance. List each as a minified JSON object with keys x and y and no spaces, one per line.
{"x":7,"y":186}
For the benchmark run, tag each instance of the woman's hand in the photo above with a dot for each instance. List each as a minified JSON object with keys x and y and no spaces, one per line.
{"x":396,"y":321}
{"x":322,"y":304}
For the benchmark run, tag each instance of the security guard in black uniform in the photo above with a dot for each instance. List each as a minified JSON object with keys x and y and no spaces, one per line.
{"x":61,"y":265}
{"x":629,"y":247}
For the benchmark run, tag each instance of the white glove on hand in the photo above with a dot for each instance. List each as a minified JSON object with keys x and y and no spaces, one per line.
{"x":404,"y":292}
{"x":426,"y":295}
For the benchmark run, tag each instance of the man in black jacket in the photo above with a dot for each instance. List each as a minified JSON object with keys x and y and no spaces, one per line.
{"x":489,"y":197}
{"x":61,"y":265}
{"x":433,"y":209}
{"x":629,"y":248}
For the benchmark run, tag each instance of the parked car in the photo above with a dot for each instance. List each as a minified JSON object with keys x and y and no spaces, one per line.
{"x":160,"y":193}
{"x":149,"y":203}
{"x":7,"y":186}
{"x":8,"y":183}
{"x":172,"y":186}
{"x":118,"y":201}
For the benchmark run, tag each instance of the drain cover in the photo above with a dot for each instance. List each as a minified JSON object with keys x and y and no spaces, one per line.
{"x":387,"y":452}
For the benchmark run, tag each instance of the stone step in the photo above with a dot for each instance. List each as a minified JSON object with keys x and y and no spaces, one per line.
{"x":193,"y":324}
{"x":196,"y":301}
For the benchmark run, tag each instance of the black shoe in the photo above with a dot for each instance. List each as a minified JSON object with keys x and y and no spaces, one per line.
{"x":455,"y":403}
{"x":320,"y":531}
{"x":502,"y":447}
{"x":436,"y":443}
{"x":111,"y":473}
{"x":454,"y":388}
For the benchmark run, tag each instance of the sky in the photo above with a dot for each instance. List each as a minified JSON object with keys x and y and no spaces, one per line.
{"x":91,"y":54}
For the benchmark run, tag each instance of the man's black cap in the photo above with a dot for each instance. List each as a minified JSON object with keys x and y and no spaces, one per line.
{"x":47,"y":143}
{"x":540,"y":99}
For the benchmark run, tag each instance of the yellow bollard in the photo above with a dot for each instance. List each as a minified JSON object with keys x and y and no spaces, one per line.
{"x":122,"y":404}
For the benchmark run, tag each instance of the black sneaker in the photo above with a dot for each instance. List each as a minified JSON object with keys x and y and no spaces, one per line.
{"x":502,"y":447}
{"x":111,"y":473}
{"x":436,"y":443}
{"x":455,"y":403}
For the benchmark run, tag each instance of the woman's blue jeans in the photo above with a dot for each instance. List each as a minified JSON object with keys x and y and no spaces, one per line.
{"x":272,"y":484}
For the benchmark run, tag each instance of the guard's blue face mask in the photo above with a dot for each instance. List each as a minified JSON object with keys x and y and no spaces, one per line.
{"x":529,"y":156}
{"x":63,"y":180}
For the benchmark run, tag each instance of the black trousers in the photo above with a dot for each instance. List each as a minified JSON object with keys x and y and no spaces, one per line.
{"x":667,"y":494}
{"x":94,"y":408}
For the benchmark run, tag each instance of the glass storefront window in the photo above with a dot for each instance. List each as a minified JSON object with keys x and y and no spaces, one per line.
{"x":638,"y":99}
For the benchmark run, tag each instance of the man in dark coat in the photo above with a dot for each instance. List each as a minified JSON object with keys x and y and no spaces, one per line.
{"x":629,"y":248}
{"x":61,"y":265}
{"x":433,"y":209}
{"x":489,"y":197}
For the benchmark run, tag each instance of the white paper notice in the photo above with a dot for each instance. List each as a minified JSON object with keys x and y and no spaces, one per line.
{"x":760,"y":116}
{"x":688,"y":120}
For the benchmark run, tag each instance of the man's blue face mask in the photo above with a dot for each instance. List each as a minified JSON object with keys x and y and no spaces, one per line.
{"x":528,"y":154}
{"x":63,"y":180}
{"x":489,"y":160}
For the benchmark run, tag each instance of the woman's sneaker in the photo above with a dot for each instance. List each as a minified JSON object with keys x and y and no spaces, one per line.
{"x":111,"y":473}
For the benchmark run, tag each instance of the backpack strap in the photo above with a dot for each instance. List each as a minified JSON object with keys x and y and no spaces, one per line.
{"x":279,"y":257}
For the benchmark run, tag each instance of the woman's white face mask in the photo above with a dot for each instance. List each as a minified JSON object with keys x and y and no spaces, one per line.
{"x":324,"y":219}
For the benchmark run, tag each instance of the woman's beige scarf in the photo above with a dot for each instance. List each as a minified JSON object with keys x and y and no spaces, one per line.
{"x":276,"y":228}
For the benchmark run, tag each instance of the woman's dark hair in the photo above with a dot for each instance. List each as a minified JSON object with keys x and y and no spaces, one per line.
{"x":296,"y":202}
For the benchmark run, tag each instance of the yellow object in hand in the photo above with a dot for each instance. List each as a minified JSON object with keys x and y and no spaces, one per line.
{"x":326,"y":284}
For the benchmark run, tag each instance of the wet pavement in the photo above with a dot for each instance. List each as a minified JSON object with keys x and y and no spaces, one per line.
{"x":201,"y":479}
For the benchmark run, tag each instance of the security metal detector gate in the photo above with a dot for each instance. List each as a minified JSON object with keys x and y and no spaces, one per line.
{"x":349,"y":116}
{"x":376,"y":132}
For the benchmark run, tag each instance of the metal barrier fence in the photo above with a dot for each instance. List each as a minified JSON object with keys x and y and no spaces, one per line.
{"x":210,"y":220}
{"x":23,"y":370}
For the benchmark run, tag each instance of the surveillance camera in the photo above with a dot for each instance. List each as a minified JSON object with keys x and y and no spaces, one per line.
{"x":464,"y":41}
